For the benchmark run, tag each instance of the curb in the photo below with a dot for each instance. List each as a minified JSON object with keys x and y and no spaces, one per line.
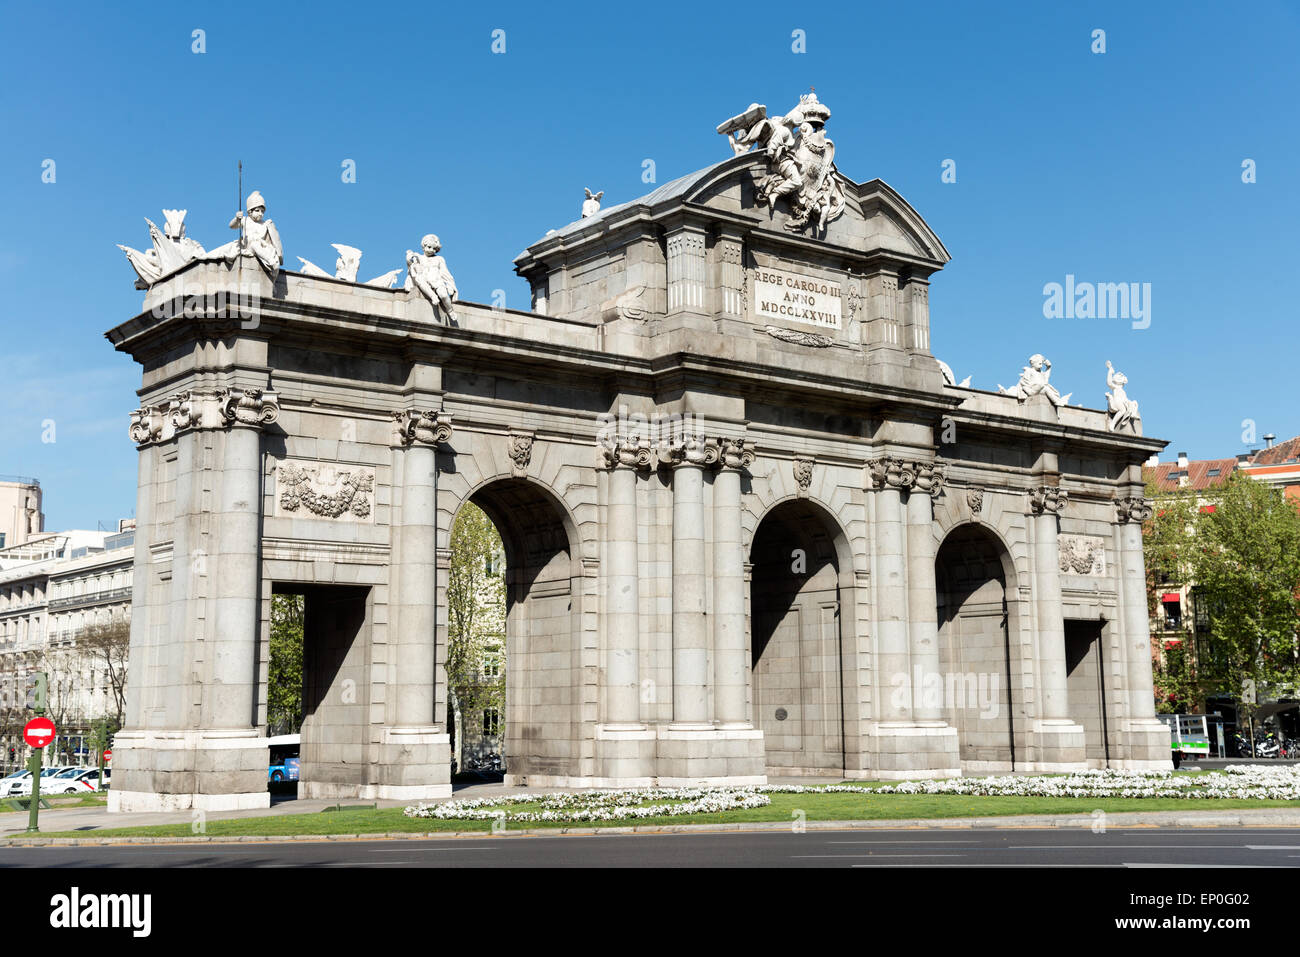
{"x":1250,"y":818}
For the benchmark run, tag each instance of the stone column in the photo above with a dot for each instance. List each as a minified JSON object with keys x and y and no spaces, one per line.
{"x":1060,"y":740}
{"x":1147,"y":737}
{"x":415,"y":750}
{"x":730,"y":664}
{"x":690,"y":455}
{"x":1046,"y":502}
{"x":889,"y":477}
{"x":922,"y":607}
{"x":623,"y":457}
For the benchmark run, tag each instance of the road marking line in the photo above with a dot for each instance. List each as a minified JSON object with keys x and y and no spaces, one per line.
{"x":796,"y":857}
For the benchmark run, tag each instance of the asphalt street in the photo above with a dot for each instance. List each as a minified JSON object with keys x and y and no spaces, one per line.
{"x":964,"y":848}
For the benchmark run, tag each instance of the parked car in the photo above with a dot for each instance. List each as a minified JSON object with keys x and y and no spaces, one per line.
{"x":89,"y":777}
{"x":10,"y":781}
{"x":51,"y":783}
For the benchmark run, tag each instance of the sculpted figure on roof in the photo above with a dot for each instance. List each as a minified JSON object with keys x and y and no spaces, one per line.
{"x":800,"y":160}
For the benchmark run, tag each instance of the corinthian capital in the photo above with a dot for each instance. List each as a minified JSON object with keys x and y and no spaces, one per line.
{"x":690,"y":449}
{"x":627,"y":451}
{"x":929,"y":478}
{"x":1132,"y":508}
{"x":737,"y":453}
{"x":890,"y":472}
{"x":146,"y":424}
{"x":426,"y":427}
{"x":1049,"y":499}
{"x":248,"y":407}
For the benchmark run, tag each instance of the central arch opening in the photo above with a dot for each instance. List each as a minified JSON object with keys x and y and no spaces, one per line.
{"x":798,"y":673}
{"x":538,"y":668}
{"x":976,"y":622}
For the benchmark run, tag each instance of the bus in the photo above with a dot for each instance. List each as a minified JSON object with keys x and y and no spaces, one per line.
{"x":284,"y":758}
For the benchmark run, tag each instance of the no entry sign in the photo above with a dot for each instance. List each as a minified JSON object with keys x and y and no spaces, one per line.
{"x":39,"y":732}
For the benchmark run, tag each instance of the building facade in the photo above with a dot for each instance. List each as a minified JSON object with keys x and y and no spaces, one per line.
{"x":751,"y":527}
{"x":21,"y":518}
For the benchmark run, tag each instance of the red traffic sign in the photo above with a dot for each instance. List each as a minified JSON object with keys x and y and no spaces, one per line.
{"x":39,"y":732}
{"x":108,"y":756}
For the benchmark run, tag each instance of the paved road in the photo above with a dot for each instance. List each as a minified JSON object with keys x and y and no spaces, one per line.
{"x":1052,"y":847}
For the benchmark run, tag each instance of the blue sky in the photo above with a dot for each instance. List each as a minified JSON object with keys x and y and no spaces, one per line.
{"x":1123,"y":166}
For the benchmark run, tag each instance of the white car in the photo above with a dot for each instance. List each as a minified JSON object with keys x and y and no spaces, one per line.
{"x":51,"y":782}
{"x":10,"y":781}
{"x":87,"y":776}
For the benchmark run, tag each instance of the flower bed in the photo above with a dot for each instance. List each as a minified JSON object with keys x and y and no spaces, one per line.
{"x":1249,"y":782}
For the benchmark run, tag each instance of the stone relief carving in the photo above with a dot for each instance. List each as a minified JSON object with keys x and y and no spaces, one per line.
{"x":1034,"y":381}
{"x":855,"y":299}
{"x":1048,"y":498}
{"x":171,"y":249}
{"x":803,"y":473}
{"x":975,"y":501}
{"x":417,"y":425}
{"x":800,"y":338}
{"x":800,"y":160}
{"x":210,"y":409}
{"x":428,"y":272}
{"x":146,"y":424}
{"x":521,"y":452}
{"x":629,"y":304}
{"x":591,"y":205}
{"x":324,"y":490}
{"x":1082,"y":555}
{"x":1122,"y":411}
{"x":1132,"y":509}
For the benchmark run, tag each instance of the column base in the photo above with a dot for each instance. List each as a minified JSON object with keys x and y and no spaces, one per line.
{"x":1060,"y":745}
{"x":177,"y":770}
{"x":693,"y":756}
{"x":414,"y":764}
{"x":1146,"y":746}
{"x":625,"y":756}
{"x":916,"y":751}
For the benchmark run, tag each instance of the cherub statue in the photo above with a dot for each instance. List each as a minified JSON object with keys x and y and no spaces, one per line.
{"x":258,"y":237}
{"x":429,"y":274}
{"x":171,"y":250}
{"x":1034,"y":381}
{"x":591,"y":205}
{"x":1123,"y":410}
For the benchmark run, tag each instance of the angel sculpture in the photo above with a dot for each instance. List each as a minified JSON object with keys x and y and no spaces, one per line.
{"x":428,"y":272}
{"x":591,"y":205}
{"x":800,"y":160}
{"x":171,"y":250}
{"x":1123,"y":410}
{"x":1034,"y":381}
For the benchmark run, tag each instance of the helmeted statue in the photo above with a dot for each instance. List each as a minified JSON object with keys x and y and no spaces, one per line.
{"x":800,"y":160}
{"x":258,"y":238}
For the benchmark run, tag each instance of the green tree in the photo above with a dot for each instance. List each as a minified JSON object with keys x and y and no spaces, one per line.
{"x":1167,"y":538}
{"x":284,"y":679}
{"x":1247,"y":566}
{"x":475,"y":614}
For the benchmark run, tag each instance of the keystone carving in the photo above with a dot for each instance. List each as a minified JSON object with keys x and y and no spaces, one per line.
{"x":975,"y":499}
{"x":521,"y":452}
{"x":427,"y":427}
{"x":803,"y":472}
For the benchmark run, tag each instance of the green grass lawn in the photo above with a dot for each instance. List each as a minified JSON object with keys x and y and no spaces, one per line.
{"x":816,"y":807}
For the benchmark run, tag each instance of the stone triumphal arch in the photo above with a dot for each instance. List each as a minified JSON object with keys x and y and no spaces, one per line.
{"x":752,"y":526}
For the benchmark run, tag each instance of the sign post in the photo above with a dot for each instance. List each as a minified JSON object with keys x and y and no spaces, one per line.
{"x":38,"y":733}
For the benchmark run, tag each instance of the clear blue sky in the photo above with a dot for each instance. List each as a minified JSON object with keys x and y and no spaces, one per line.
{"x":1115,"y":167}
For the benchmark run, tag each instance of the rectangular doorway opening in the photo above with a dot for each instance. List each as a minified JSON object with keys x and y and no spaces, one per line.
{"x":1086,"y":687}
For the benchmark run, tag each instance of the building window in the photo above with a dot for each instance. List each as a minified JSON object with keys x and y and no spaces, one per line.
{"x":492,"y":664}
{"x":491,"y":722}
